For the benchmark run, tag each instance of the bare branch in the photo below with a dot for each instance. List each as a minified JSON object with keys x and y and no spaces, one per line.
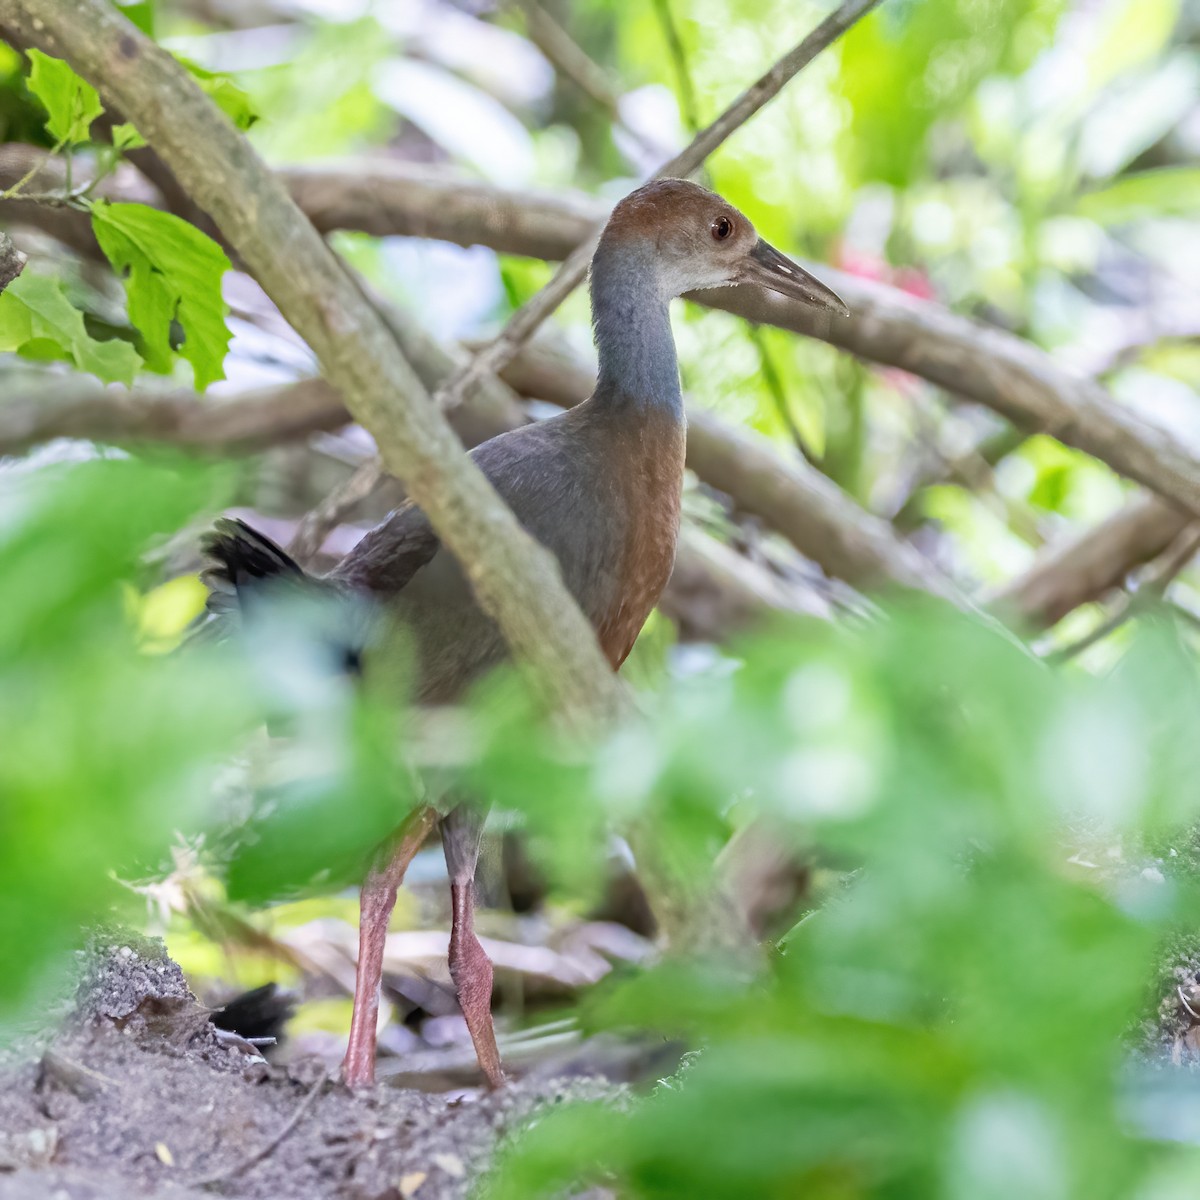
{"x":314,"y":527}
{"x":1149,"y":592}
{"x":809,"y":509}
{"x":251,"y":421}
{"x":1088,"y":566}
{"x":571,"y":62}
{"x":714,"y":592}
{"x":517,"y":581}
{"x":976,"y":362}
{"x":525,"y":321}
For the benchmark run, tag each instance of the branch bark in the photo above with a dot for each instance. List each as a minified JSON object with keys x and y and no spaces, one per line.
{"x":1150,"y":591}
{"x":243,"y":424}
{"x":12,"y":261}
{"x":517,"y":581}
{"x":1089,"y":566}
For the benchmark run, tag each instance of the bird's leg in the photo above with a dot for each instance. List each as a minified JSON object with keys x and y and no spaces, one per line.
{"x":470,"y":967}
{"x":378,"y":900}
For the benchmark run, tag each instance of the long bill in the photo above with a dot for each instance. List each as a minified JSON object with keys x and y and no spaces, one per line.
{"x":770,"y":269}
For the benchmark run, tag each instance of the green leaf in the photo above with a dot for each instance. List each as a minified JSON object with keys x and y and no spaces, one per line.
{"x":230,"y":98}
{"x":126,"y":137}
{"x":140,"y":12}
{"x":35,"y":312}
{"x":172,"y":272}
{"x":72,"y":103}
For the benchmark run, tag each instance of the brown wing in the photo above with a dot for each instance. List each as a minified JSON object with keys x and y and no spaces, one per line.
{"x":387,"y":558}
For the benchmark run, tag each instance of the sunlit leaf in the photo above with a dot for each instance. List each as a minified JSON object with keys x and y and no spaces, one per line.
{"x":35,"y":313}
{"x":73,"y":104}
{"x":126,"y":137}
{"x":229,"y":98}
{"x":172,"y":272}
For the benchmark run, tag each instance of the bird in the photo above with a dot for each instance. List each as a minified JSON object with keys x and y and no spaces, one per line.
{"x":599,"y":485}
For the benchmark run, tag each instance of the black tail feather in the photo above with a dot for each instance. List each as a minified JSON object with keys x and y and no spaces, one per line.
{"x":239,"y":557}
{"x":246,"y":573}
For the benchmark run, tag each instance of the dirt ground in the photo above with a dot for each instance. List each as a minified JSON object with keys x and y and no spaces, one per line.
{"x":139,"y":1096}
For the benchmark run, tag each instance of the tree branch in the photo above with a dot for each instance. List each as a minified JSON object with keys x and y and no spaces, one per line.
{"x":1150,"y":591}
{"x":251,"y":421}
{"x":572,"y":63}
{"x":517,"y":581}
{"x":1088,"y":566}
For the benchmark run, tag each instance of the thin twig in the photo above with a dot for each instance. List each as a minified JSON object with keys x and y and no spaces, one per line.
{"x":1149,"y":592}
{"x":525,"y":321}
{"x":571,"y":61}
{"x":272,"y":1145}
{"x":17,"y":188}
{"x":314,"y":527}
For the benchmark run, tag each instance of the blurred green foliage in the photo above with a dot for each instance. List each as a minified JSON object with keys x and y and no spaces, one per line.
{"x":105,"y":750}
{"x":952,"y":1021}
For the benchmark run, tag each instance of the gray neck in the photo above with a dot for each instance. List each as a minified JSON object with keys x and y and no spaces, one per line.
{"x":638,"y":369}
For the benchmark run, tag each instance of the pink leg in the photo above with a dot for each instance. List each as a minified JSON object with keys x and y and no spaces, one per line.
{"x":470,"y":967}
{"x":378,"y":900}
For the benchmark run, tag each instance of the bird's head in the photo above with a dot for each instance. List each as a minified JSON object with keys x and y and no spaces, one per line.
{"x":691,"y":239}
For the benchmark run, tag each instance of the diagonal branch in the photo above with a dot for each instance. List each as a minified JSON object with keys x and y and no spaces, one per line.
{"x":1090,"y":565}
{"x":1150,"y":591}
{"x":571,"y":62}
{"x":525,"y":321}
{"x":516,"y":580}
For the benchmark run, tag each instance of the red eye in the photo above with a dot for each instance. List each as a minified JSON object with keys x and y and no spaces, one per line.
{"x":722,"y":227}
